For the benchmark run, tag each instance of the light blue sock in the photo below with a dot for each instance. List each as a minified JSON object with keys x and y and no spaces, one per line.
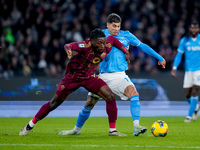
{"x":83,"y":116}
{"x":135,"y":107}
{"x":188,"y":100}
{"x":193,"y":103}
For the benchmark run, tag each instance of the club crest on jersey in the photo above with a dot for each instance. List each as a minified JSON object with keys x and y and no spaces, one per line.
{"x":62,"y":87}
{"x":81,"y":45}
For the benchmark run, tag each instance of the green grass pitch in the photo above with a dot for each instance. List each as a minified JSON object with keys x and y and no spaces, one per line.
{"x":94,"y":134}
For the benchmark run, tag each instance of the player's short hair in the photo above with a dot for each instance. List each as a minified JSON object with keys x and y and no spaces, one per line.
{"x":97,"y":33}
{"x":114,"y":18}
{"x":194,"y":23}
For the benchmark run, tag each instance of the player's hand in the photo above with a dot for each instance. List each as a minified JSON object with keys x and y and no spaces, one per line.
{"x":162,"y":63}
{"x":173,"y":73}
{"x":69,"y":53}
{"x":127,"y":55}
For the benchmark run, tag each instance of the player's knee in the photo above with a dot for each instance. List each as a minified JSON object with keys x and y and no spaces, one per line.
{"x":55,"y":102}
{"x":195,"y":91}
{"x":110,"y":96}
{"x":91,"y":101}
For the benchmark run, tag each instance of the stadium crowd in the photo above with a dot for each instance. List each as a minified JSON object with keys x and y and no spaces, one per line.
{"x":33,"y":32}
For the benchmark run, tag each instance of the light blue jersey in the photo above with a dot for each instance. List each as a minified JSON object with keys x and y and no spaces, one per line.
{"x":191,"y":48}
{"x":116,"y":61}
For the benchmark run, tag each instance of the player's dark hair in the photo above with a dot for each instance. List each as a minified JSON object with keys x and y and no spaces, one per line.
{"x":97,"y":33}
{"x":194,"y":23}
{"x":114,"y":18}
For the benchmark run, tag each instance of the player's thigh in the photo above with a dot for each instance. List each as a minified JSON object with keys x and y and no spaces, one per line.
{"x":94,"y":84}
{"x":196,"y":78}
{"x":188,"y":79}
{"x":67,"y":86}
{"x":118,"y":85}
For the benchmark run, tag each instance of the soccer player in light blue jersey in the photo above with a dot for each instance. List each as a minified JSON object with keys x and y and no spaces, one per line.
{"x":112,"y":71}
{"x":190,"y":45}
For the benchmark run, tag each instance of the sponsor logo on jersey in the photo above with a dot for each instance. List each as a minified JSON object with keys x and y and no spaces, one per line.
{"x":193,"y":48}
{"x":81,"y":45}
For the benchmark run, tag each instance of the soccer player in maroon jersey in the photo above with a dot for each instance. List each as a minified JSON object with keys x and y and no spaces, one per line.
{"x":80,"y":72}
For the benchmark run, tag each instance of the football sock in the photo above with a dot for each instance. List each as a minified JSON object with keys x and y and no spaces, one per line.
{"x":136,"y":123}
{"x":111,"y":109}
{"x":135,"y":108}
{"x":77,"y":128}
{"x":34,"y":120}
{"x":83,"y":116}
{"x":112,"y":126}
{"x":43,"y":112}
{"x":188,"y":100}
{"x":31,"y":124}
{"x":193,"y":103}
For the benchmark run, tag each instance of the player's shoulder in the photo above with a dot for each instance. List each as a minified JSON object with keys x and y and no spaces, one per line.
{"x":124,"y":32}
{"x":184,"y":39}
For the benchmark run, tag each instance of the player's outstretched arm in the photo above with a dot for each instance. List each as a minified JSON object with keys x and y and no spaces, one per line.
{"x":145,"y":48}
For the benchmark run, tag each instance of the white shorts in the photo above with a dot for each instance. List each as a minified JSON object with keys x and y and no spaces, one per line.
{"x":117,"y":82}
{"x":191,"y":78}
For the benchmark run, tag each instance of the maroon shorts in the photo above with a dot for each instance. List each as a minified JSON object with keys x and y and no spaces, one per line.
{"x":69,"y":85}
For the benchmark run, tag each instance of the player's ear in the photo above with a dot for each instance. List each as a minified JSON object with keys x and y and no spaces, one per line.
{"x":107,"y":25}
{"x":92,"y":42}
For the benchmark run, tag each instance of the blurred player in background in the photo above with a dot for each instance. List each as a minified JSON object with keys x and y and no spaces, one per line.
{"x":80,"y":72}
{"x":112,"y":71}
{"x":190,"y":45}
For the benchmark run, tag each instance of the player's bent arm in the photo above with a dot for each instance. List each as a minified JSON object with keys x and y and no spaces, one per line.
{"x":145,"y":48}
{"x":115,"y":42}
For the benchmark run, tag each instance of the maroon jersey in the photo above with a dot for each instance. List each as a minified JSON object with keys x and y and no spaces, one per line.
{"x":84,"y":63}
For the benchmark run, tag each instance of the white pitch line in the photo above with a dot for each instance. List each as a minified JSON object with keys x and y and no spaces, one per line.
{"x":87,"y":145}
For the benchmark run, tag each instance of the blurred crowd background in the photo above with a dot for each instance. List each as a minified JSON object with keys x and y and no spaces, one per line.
{"x":33,"y":32}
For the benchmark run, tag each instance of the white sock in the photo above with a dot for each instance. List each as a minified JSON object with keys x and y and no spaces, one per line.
{"x":112,"y":129}
{"x":31,"y":124}
{"x":197,"y":107}
{"x":77,"y":128}
{"x":136,"y":123}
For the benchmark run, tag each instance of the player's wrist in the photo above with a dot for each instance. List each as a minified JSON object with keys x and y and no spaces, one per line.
{"x":124,"y":50}
{"x":174,"y":68}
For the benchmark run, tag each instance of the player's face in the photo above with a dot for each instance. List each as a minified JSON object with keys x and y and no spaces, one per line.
{"x":194,"y":29}
{"x":99,"y":44}
{"x":114,"y":28}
